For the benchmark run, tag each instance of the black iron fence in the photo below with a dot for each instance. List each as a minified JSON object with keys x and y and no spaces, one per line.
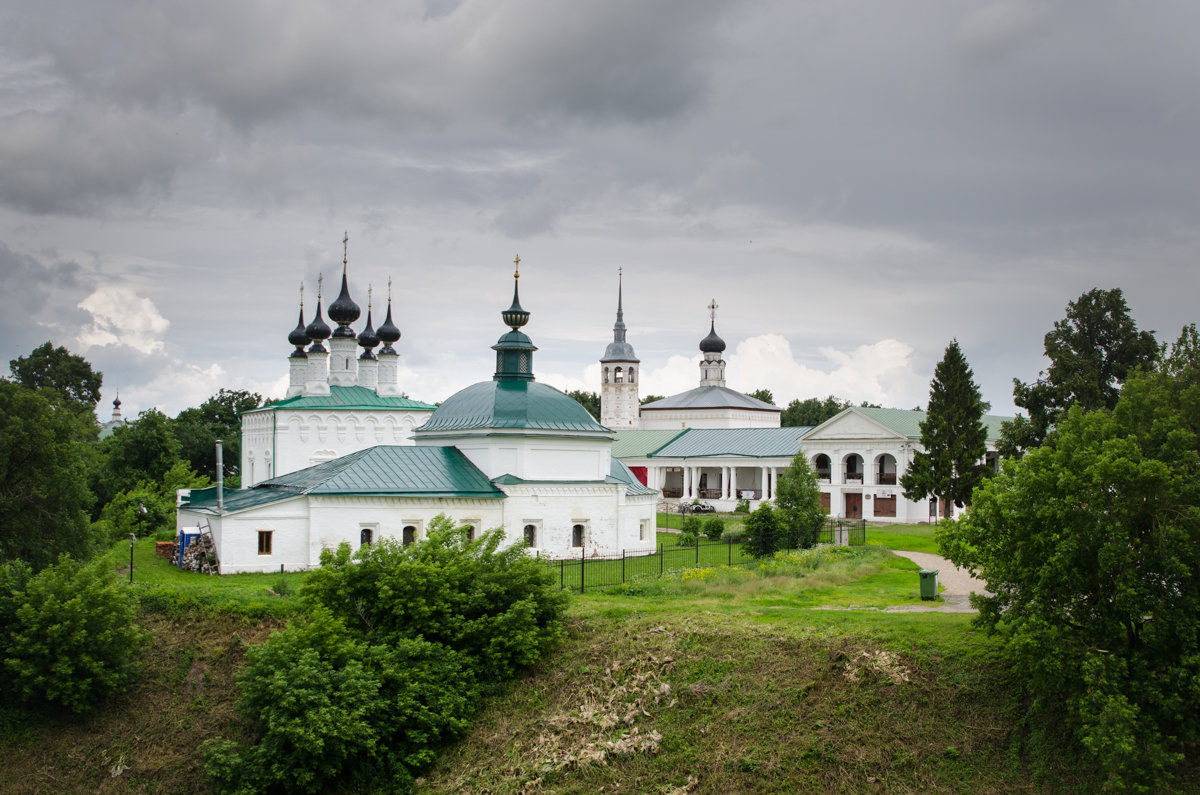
{"x":591,"y":571}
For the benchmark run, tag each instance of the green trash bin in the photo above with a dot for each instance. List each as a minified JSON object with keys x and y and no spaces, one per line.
{"x":929,"y":583}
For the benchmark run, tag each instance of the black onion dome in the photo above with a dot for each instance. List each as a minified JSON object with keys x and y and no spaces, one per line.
{"x":344,"y":311}
{"x":318,"y":331}
{"x":712,"y":343}
{"x":368,"y":339}
{"x":299,"y":337}
{"x":117,"y":402}
{"x":388,"y":333}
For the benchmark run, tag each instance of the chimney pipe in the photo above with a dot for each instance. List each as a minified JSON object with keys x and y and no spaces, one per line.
{"x":220,"y":478}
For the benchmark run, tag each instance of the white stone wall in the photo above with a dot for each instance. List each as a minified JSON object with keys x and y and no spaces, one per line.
{"x":279,"y":442}
{"x":675,"y":419}
{"x":533,"y":457}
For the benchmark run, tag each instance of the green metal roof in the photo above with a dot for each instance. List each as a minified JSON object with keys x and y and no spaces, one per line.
{"x":511,"y":404}
{"x":907,"y":422}
{"x":350,"y":398}
{"x":618,"y":473}
{"x":641,"y":444}
{"x":741,"y":442}
{"x":390,"y":470}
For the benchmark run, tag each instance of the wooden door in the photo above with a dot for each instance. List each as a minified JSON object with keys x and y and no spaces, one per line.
{"x":853,"y":506}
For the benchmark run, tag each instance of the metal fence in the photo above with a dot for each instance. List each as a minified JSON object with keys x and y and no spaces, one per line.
{"x":591,"y":571}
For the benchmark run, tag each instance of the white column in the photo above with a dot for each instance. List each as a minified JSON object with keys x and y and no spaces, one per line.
{"x":733,"y":481}
{"x":774,"y":481}
{"x":687,"y":476}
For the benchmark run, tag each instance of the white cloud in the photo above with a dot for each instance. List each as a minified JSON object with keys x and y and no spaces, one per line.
{"x":176,"y":386}
{"x":121,"y":317}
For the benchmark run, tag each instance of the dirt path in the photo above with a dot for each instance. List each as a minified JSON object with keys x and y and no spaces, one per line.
{"x":959,"y":585}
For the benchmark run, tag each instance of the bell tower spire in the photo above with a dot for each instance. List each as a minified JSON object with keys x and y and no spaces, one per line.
{"x":619,"y":403}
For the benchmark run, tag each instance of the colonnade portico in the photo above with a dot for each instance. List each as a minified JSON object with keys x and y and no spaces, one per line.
{"x":713,"y":481}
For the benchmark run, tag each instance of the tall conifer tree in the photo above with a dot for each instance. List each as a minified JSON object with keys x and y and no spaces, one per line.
{"x":953,"y":435}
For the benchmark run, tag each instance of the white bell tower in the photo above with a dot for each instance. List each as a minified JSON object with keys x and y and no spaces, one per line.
{"x":619,"y":376}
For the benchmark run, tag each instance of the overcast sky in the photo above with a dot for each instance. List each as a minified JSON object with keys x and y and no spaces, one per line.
{"x":856,"y":183}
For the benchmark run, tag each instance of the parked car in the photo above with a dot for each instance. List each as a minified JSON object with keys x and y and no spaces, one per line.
{"x":696,"y":507}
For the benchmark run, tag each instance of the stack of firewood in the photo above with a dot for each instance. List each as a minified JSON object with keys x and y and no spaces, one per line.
{"x":200,"y":556}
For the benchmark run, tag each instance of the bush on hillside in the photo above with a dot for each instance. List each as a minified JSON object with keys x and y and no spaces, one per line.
{"x":332,"y":711}
{"x":500,"y":607}
{"x":69,"y":636}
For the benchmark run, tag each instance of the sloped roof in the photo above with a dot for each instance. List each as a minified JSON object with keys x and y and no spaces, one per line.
{"x":907,"y":422}
{"x":511,"y":404}
{"x":390,"y":470}
{"x":710,"y":397}
{"x":641,"y":444}
{"x":745,"y":442}
{"x":618,"y":473}
{"x":350,"y":398}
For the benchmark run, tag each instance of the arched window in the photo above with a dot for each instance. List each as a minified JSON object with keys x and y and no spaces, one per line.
{"x":618,"y":376}
{"x":632,"y":374}
{"x":409,"y":534}
{"x":365,"y":537}
{"x":577,"y":535}
{"x":821,"y":464}
{"x":530,"y":536}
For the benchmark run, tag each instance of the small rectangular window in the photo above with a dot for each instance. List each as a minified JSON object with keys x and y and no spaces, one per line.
{"x":264,"y":542}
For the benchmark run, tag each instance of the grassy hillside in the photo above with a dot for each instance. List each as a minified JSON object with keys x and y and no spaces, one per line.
{"x":779,"y":678}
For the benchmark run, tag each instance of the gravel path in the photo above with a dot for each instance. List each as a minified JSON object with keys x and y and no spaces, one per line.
{"x":959,"y":585}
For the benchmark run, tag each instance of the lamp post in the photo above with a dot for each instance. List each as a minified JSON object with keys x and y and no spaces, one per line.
{"x":141,"y":515}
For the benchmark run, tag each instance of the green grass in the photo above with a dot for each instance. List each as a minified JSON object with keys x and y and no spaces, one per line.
{"x":160,"y":585}
{"x":729,"y":681}
{"x":907,"y":537}
{"x":674,"y":521}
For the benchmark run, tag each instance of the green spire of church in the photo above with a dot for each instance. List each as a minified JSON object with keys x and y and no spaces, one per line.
{"x":514,"y":350}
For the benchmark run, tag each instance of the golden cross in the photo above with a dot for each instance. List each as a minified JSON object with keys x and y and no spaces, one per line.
{"x":320,"y":278}
{"x":517,"y":267}
{"x":345,"y":249}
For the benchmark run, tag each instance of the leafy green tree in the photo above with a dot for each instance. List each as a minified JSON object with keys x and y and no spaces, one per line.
{"x":124,"y":515}
{"x":58,"y":370}
{"x":689,"y":531}
{"x":333,"y":711}
{"x":43,"y":479}
{"x":652,"y":398}
{"x":1090,"y":546}
{"x":798,"y":504}
{"x":589,"y":400}
{"x":953,"y":435}
{"x":496,"y":605}
{"x":765,"y":395}
{"x":143,"y":450}
{"x":762,"y":537}
{"x":811,"y":412}
{"x":219,"y":417}
{"x":1092,"y":351}
{"x":70,"y":639}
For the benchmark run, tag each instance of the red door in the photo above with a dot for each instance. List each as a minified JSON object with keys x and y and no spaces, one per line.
{"x":853,"y":506}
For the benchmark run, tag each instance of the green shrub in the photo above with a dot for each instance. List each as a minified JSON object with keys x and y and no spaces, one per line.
{"x":714,"y":527}
{"x":334,"y":712}
{"x":69,"y":637}
{"x":500,"y":607}
{"x":743,"y":506}
{"x":761,"y":537}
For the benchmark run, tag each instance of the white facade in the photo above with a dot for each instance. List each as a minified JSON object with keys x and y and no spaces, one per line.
{"x":726,"y":417}
{"x":280,"y":440}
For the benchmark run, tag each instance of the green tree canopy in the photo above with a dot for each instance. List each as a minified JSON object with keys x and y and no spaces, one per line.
{"x":952,"y":434}
{"x":143,"y":450}
{"x":652,"y":398}
{"x":813,"y":411}
{"x":43,"y":479}
{"x":1092,"y":351}
{"x":798,"y":500}
{"x":1090,"y":546}
{"x":762,"y":537}
{"x":62,"y":373}
{"x":198,"y":429}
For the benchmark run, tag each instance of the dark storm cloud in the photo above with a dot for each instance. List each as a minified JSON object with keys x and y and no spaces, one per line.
{"x":37,"y":300}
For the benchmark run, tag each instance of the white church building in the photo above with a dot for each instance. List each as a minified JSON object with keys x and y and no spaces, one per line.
{"x":715,"y":444}
{"x":345,"y":458}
